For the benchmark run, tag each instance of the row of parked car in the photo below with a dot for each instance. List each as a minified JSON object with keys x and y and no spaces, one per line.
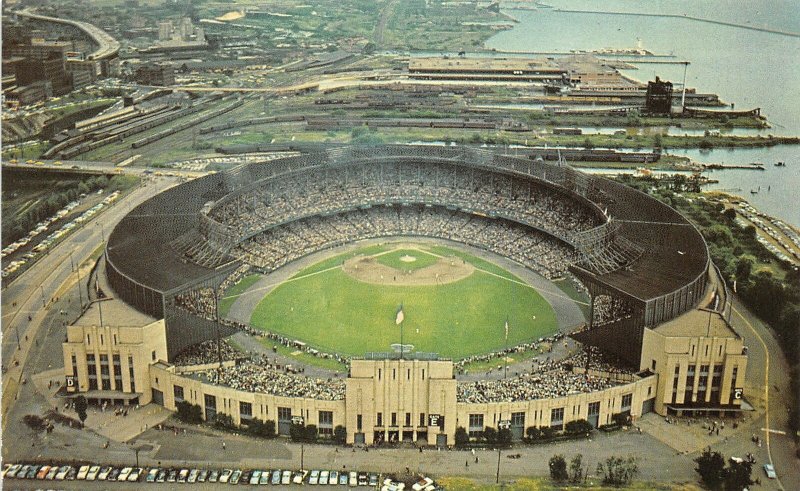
{"x":159,"y":475}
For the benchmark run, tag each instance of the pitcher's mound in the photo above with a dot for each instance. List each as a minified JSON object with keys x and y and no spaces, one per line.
{"x":445,"y":270}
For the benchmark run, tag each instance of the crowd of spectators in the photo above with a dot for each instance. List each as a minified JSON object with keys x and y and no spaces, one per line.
{"x":287,"y":198}
{"x":280,"y":245}
{"x":207,"y":352}
{"x":608,"y":309}
{"x":541,"y":345}
{"x":260,"y":374}
{"x":546,"y":380}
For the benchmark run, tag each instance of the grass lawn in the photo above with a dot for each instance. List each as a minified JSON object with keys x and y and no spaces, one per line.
{"x":407,"y":259}
{"x":335,"y":312}
{"x":232,"y":293}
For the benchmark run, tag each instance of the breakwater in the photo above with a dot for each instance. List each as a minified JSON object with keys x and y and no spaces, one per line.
{"x":689,"y":17}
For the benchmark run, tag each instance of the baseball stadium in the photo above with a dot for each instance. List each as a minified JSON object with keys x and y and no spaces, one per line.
{"x":403,"y":292}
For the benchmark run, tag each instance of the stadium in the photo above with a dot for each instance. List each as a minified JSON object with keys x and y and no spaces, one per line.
{"x":656,"y":337}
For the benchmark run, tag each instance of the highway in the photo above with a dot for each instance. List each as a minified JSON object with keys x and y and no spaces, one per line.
{"x":107,"y":45}
{"x":27,"y":296}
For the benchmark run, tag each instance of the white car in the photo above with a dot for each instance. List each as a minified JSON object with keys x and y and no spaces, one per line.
{"x":92,"y":474}
{"x":286,"y":477}
{"x":84,"y":469}
{"x":353,"y":481}
{"x":225,"y":476}
{"x":124,"y":473}
{"x":62,"y":472}
{"x":103,"y":474}
{"x":134,"y":475}
{"x":770,"y":470}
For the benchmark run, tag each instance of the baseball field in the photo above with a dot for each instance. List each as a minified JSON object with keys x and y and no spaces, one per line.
{"x":453,"y":303}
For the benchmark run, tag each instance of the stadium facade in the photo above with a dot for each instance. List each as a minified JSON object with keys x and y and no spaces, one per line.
{"x":657,"y":302}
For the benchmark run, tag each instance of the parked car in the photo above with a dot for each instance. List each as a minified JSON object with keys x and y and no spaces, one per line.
{"x":62,"y":472}
{"x":225,"y":476}
{"x":352,"y":479}
{"x":93,"y":472}
{"x":12,"y":470}
{"x":255,"y":477}
{"x":51,"y":474}
{"x":84,"y":469}
{"x":152,"y":474}
{"x":286,"y":477}
{"x":103,"y":474}
{"x":114,"y":474}
{"x":769,"y":469}
{"x":135,"y":474}
{"x":299,"y":476}
{"x":124,"y":473}
{"x":323,"y":477}
{"x":182,"y":475}
{"x":313,"y":478}
{"x":343,"y":479}
{"x":237,"y":474}
{"x":193,"y":476}
{"x":213,"y":475}
{"x":201,"y":477}
{"x":276,"y":477}
{"x":265,"y":477}
{"x":333,"y":477}
{"x":162,"y":475}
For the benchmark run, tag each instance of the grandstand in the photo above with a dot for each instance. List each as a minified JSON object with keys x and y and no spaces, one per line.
{"x":653,"y":293}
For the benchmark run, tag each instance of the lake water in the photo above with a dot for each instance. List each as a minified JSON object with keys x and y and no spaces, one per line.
{"x":745,"y":67}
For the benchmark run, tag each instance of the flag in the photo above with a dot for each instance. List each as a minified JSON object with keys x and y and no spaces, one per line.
{"x":400,"y":315}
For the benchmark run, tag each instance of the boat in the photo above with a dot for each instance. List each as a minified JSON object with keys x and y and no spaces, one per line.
{"x":780,"y":164}
{"x":753,"y":191}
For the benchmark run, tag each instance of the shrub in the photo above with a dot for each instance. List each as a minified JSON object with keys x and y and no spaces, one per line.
{"x":558,"y":468}
{"x":189,"y":413}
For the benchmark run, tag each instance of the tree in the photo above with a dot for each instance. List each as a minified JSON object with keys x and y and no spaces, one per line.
{"x":490,"y":435}
{"x":558,"y":468}
{"x":711,"y":467}
{"x":618,"y":471}
{"x":223,"y":421}
{"x":588,"y":144}
{"x":578,"y":427}
{"x":744,"y":266}
{"x":311,"y":433}
{"x":504,"y":437}
{"x":340,"y":434}
{"x":80,"y":407}
{"x":462,"y":437}
{"x":189,"y":413}
{"x":737,"y":476}
{"x":576,"y":469}
{"x":533,"y":433}
{"x":297,"y":432}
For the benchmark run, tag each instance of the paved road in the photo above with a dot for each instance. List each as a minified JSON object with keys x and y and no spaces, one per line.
{"x":33,"y":294}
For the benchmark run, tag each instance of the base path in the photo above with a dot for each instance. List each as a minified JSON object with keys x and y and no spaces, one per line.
{"x":368,"y":270}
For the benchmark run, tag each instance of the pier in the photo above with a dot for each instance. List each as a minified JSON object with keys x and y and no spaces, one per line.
{"x":689,"y":17}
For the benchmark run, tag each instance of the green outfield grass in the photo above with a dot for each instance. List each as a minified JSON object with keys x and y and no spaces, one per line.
{"x":330,"y":310}
{"x":395,"y":260}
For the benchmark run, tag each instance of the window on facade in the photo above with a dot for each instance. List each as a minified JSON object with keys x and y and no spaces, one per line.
{"x":422,"y":419}
{"x":245,"y":410}
{"x":408,"y":419}
{"x":475,"y":424}
{"x":594,"y":408}
{"x":557,"y":417}
{"x":359,"y":422}
{"x":626,"y":401}
{"x":379,"y":421}
{"x":394,"y":419}
{"x":284,"y":414}
{"x":153,"y":355}
{"x":177,"y":391}
{"x":130,"y":373}
{"x":92,"y":368}
{"x":325,"y":425}
{"x":518,"y":419}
